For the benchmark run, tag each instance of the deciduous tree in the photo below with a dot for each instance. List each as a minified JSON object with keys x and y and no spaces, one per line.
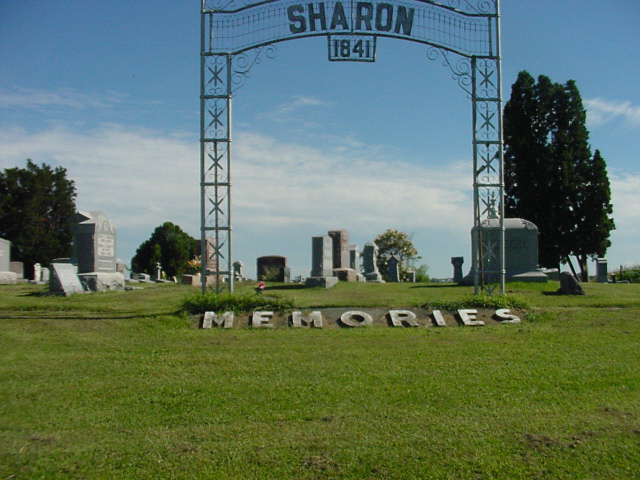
{"x":399,"y":244}
{"x":168,"y":245}
{"x":35,"y":203}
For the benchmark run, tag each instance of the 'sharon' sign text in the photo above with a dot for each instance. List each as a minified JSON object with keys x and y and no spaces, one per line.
{"x":365,"y":17}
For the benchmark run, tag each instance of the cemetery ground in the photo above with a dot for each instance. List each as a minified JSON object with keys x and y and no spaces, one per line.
{"x":123,"y":385}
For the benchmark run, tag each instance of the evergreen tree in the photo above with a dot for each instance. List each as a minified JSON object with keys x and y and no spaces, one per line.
{"x":594,"y":213}
{"x":550,"y":176}
{"x":170,"y":246}
{"x":35,"y":204}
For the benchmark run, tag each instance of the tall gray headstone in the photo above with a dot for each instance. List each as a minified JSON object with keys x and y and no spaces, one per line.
{"x":94,"y":242}
{"x":94,"y":251}
{"x":7,"y":277}
{"x":321,"y":256}
{"x":5,"y":255}
{"x":340,"y":248}
{"x":369,"y":263}
{"x":354,"y":258}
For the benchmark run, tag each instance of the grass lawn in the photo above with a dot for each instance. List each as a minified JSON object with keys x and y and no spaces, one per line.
{"x":122,"y":385}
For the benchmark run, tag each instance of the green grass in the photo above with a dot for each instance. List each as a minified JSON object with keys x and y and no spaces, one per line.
{"x":121,"y":385}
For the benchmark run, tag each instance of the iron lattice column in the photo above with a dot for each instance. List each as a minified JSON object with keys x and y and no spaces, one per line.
{"x":488,"y":179}
{"x":215,"y":161}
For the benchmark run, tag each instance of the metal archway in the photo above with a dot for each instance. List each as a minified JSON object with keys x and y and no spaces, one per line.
{"x":465,"y":34}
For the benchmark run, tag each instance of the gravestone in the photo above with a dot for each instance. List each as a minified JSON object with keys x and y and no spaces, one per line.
{"x":354,"y":258}
{"x":369,"y":263}
{"x":273,"y":268}
{"x":345,"y":274}
{"x":64,"y":279}
{"x":94,"y":251}
{"x":340,"y":247}
{"x":321,"y":263}
{"x":394,"y":269}
{"x":457,"y":269}
{"x":94,"y":242}
{"x":17,"y":268}
{"x":7,"y":277}
{"x":321,"y":256}
{"x":5,"y":255}
{"x":602,"y":273}
{"x":37,"y":273}
{"x":238,"y":273}
{"x":569,"y":285}
{"x":520,"y":250}
{"x":211,"y":257}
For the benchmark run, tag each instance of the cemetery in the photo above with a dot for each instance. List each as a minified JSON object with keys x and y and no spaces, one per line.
{"x":506,"y":370}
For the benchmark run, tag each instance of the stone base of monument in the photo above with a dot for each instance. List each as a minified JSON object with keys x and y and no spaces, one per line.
{"x":373,"y":277}
{"x":324,"y":282}
{"x":345,"y":274}
{"x":536,"y":276}
{"x":8,"y":278}
{"x":552,"y":273}
{"x":102,"y":282}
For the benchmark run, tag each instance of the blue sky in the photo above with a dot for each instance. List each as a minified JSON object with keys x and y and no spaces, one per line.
{"x":109,"y":90}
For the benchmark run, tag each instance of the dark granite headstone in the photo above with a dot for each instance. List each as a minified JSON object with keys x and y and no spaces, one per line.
{"x":273,"y":268}
{"x":394,"y":269}
{"x":569,"y":285}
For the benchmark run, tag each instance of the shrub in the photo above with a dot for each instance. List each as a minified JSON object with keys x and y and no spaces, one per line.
{"x":226,"y":302}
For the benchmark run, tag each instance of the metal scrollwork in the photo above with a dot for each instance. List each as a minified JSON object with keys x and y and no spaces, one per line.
{"x":478,"y":6}
{"x":243,"y":62}
{"x":460,"y":70}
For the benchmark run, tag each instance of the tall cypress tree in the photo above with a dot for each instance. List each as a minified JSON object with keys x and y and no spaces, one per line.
{"x":551,"y":178}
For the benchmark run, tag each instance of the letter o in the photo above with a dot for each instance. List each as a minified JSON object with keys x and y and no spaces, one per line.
{"x":356,"y":319}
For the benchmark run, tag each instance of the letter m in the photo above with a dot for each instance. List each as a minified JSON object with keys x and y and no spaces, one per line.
{"x":210,"y":319}
{"x":314,"y":319}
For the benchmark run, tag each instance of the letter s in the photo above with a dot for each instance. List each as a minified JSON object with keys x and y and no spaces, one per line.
{"x":299,"y":18}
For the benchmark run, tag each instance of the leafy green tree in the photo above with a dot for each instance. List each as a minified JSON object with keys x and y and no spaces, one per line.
{"x":399,"y":244}
{"x":551,"y":178}
{"x":35,"y":203}
{"x":170,"y":246}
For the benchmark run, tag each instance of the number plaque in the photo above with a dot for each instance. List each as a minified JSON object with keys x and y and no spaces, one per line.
{"x":352,"y":48}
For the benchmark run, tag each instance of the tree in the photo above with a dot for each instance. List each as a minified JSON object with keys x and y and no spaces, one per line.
{"x":550,"y":174}
{"x":169,"y":246}
{"x":35,"y":203}
{"x":394,"y":242}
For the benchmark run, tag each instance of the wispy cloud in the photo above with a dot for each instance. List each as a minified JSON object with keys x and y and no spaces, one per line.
{"x":601,"y":111}
{"x":282,"y":192}
{"x":291,"y":111}
{"x":142,"y":178}
{"x":63,"y":97}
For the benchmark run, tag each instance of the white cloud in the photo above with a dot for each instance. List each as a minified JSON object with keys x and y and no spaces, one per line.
{"x":600,"y":111}
{"x":142,"y":178}
{"x":65,"y":97}
{"x":289,"y":111}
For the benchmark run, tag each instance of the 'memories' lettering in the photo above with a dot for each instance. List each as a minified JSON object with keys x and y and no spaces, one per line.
{"x":368,"y":16}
